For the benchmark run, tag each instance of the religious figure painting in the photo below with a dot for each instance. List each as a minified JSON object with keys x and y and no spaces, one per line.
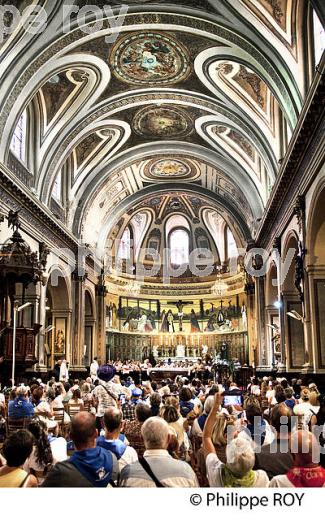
{"x":150,"y":57}
{"x":195,"y":327}
{"x":165,"y":122}
{"x":60,"y":342}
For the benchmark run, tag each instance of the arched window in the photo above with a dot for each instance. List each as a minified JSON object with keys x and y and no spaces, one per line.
{"x":232,"y":247}
{"x":18,"y":141}
{"x":57,"y":187}
{"x":124,"y":250}
{"x":319,"y":38}
{"x":179,"y":243}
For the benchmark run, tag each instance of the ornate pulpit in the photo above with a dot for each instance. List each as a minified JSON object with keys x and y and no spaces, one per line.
{"x":21,"y":270}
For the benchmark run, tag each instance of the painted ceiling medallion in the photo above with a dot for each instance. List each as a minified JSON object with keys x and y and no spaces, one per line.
{"x":168,"y":168}
{"x":152,"y":122}
{"x":150,"y":57}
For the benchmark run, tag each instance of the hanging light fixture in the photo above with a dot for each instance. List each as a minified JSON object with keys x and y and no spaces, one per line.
{"x":219,"y":287}
{"x":133,"y":287}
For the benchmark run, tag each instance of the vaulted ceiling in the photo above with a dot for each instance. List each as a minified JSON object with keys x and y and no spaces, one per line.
{"x":191,"y":97}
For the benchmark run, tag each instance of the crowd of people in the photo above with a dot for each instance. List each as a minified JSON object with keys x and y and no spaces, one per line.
{"x":104,"y":431}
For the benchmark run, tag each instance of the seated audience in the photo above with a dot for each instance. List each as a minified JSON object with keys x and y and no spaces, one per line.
{"x":76,"y":399}
{"x":128,"y":409}
{"x":16,"y":449}
{"x":41,"y":459}
{"x":155,"y":403}
{"x":275,"y":458}
{"x":306,"y":470}
{"x":158,"y":468}
{"x":112,"y":441}
{"x":20,"y":407}
{"x":90,"y":465}
{"x":257,"y":428}
{"x":303,"y":410}
{"x":199,"y":422}
{"x":290,"y":401}
{"x":132,"y":429}
{"x":238,"y":469}
{"x":176,"y":421}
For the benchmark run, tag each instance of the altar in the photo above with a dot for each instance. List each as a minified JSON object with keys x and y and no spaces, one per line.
{"x":132,"y":345}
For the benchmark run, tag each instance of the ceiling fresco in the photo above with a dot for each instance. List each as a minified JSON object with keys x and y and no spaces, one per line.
{"x":191,"y":97}
{"x":163,"y":123}
{"x":150,"y":59}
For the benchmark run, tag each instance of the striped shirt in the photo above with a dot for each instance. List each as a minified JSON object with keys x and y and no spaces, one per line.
{"x":170,"y":472}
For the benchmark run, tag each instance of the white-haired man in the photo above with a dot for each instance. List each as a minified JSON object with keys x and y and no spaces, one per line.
{"x":157,"y":468}
{"x":238,"y":470}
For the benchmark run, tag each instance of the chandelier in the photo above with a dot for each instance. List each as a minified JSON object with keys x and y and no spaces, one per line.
{"x":219,"y":287}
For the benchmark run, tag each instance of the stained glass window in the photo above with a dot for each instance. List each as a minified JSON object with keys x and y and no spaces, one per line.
{"x":18,"y":141}
{"x":319,"y":38}
{"x":179,"y":247}
{"x":124,"y":250}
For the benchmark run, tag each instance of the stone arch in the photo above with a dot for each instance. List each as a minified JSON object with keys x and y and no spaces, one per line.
{"x":58,"y":315}
{"x":315,"y":269}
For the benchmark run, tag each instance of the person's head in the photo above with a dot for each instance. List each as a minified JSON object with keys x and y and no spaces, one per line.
{"x":172,"y":400}
{"x":142,"y":412}
{"x":304,"y":448}
{"x":304,"y":395}
{"x":136,"y":394}
{"x":155,"y":433}
{"x":76,"y":394}
{"x":51,"y":394}
{"x":37,"y":394}
{"x":106,"y":372}
{"x":253,"y":410}
{"x":17,"y":448}
{"x":95,"y":358}
{"x":155,"y":400}
{"x":219,"y":432}
{"x":279,"y":394}
{"x":170,"y":414}
{"x":83,"y":430}
{"x":22,"y":392}
{"x":313,"y":398}
{"x":113,"y":419}
{"x":288,"y":392}
{"x":208,"y":404}
{"x":66,"y":386}
{"x":85,"y":388}
{"x":38,"y":429}
{"x":185,"y":394}
{"x":240,"y":457}
{"x":281,"y":415}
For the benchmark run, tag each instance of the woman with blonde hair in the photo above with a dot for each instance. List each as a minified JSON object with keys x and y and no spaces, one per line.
{"x":172,"y":416}
{"x":219,"y":439}
{"x":303,"y":410}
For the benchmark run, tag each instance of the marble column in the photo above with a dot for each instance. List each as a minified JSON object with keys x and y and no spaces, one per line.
{"x":78,"y":321}
{"x":100,"y":344}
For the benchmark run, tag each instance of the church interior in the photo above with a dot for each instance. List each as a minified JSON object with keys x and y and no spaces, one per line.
{"x":162,"y":186}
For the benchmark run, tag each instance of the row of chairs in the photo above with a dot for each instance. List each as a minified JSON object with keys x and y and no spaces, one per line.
{"x":12,"y":425}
